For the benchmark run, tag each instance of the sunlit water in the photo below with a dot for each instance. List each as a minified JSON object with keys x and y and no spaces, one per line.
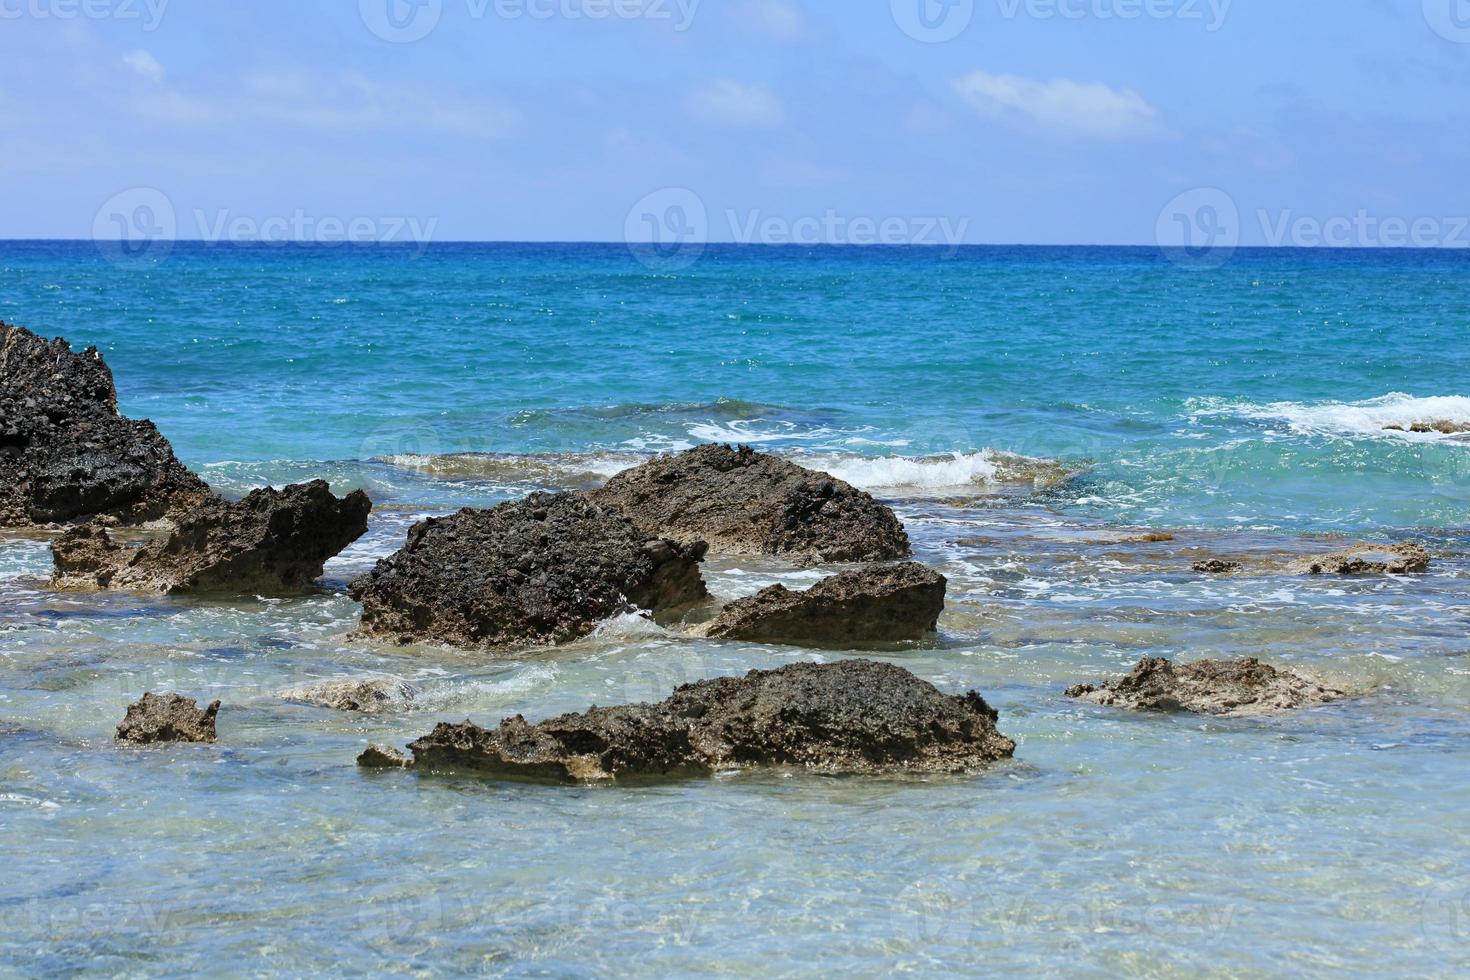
{"x":1030,"y":414}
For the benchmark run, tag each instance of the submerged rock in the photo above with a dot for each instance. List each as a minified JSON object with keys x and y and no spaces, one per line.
{"x":547,"y":569}
{"x":1444,"y":427}
{"x":745,"y":502}
{"x":371,"y":695}
{"x":853,"y":716}
{"x":274,"y":542}
{"x":1218,"y":566}
{"x":875,"y":605}
{"x":1215,"y":687}
{"x":167,"y":718}
{"x":66,"y":453}
{"x":1407,"y":557}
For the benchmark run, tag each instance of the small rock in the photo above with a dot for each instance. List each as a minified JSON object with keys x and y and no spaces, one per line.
{"x":876,"y":605}
{"x":1229,"y":687}
{"x":1218,"y":566}
{"x":1405,"y":558}
{"x":371,"y":696}
{"x":382,"y":757}
{"x":167,"y":718}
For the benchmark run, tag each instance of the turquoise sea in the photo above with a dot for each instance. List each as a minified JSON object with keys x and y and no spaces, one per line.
{"x":1031,"y":413}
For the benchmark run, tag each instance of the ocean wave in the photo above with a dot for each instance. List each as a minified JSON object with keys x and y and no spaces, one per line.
{"x":1361,"y":419}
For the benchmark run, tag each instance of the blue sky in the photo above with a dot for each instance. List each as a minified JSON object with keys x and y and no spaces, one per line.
{"x":1045,"y":121}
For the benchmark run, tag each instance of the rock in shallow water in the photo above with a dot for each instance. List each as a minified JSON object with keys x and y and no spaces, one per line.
{"x":371,"y":695}
{"x":853,"y":716}
{"x":66,"y":453}
{"x":874,"y":605}
{"x":1407,"y":557}
{"x":167,"y":718}
{"x":273,"y":542}
{"x":1215,"y":687}
{"x":745,"y":502}
{"x":547,"y":569}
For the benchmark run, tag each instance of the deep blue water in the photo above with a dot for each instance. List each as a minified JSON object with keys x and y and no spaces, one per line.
{"x":1103,"y":390}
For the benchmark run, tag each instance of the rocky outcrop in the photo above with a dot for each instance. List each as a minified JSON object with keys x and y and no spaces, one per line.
{"x":167,"y":718}
{"x":66,"y":453}
{"x":544,"y":570}
{"x":745,"y":502}
{"x":383,"y":757}
{"x":890,"y":604}
{"x":853,"y":716}
{"x":1214,"y":687}
{"x":1218,"y":566}
{"x":273,"y":542}
{"x":1405,"y":558}
{"x":372,"y":695}
{"x":1444,"y":427}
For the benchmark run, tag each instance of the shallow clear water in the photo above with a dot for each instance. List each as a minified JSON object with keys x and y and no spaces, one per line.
{"x":1028,"y":412}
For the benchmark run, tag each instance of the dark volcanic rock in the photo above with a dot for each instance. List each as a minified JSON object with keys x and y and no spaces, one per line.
{"x":547,"y":569}
{"x":853,"y":716}
{"x":874,"y":605}
{"x":66,"y":453}
{"x":371,"y":695}
{"x":1367,"y":559}
{"x":1444,"y":427}
{"x":167,"y":718}
{"x":745,"y":502}
{"x":1218,"y":566}
{"x":1215,"y":687}
{"x":274,"y":542}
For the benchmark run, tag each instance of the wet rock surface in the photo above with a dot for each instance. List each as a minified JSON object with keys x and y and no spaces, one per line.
{"x":273,"y":542}
{"x":544,"y":570}
{"x":66,"y":453}
{"x":383,"y":757}
{"x":370,"y":695}
{"x":744,"y":502}
{"x":1214,"y":687}
{"x":853,"y":716}
{"x":1444,"y":427}
{"x":1407,"y":557}
{"x":889,"y":604}
{"x":1218,"y":566}
{"x":167,"y":718}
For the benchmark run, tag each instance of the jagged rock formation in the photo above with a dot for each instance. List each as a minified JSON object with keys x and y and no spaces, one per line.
{"x":167,"y":718}
{"x":544,"y":570}
{"x":1215,"y":687}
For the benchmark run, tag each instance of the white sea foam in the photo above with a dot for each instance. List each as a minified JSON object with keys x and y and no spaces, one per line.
{"x":1352,"y":419}
{"x":954,"y":471}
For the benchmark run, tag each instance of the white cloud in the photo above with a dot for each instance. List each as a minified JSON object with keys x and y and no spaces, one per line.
{"x":776,"y":18}
{"x":731,"y":103}
{"x":1089,"y":109}
{"x":144,"y":64}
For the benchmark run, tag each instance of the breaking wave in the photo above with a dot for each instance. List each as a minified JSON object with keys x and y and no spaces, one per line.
{"x":1362,"y":419}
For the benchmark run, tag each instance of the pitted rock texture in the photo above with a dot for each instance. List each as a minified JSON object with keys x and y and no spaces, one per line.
{"x":1213,"y":687}
{"x":66,"y":453}
{"x":889,"y":604}
{"x":745,"y":502}
{"x":273,"y":542}
{"x":370,"y":695}
{"x":167,"y":718}
{"x":1407,"y":557}
{"x":544,"y":570}
{"x":852,"y":716}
